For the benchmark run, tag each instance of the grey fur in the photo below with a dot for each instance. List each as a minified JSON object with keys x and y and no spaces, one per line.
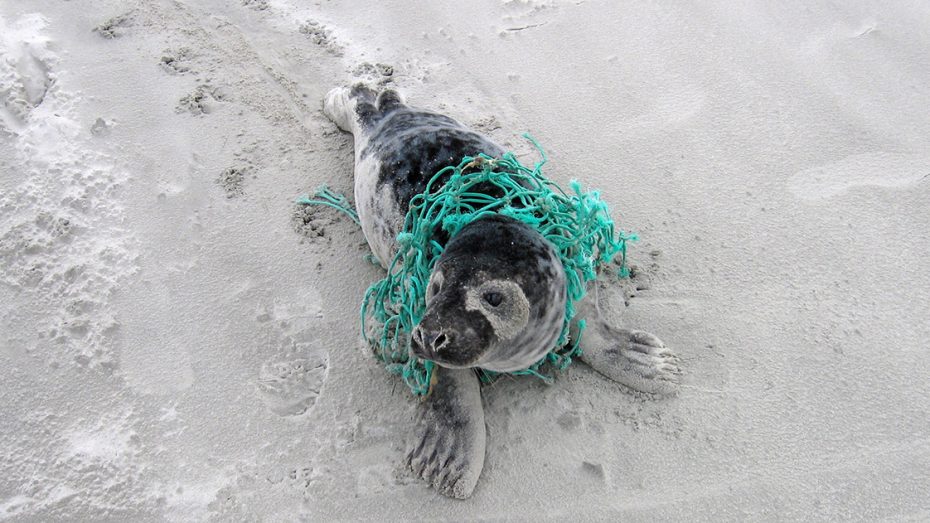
{"x":492,"y":261}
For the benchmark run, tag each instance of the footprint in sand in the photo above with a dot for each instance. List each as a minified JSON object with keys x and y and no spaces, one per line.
{"x":177,"y":61}
{"x":322,"y":36}
{"x":25,"y":65}
{"x":232,"y":180}
{"x":378,"y":73}
{"x":202,"y":100}
{"x":290,"y":387}
{"x":311,"y":221}
{"x":879,"y":169}
{"x":115,"y":27}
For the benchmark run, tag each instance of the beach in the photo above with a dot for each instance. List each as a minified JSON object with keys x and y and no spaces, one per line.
{"x":180,"y":341}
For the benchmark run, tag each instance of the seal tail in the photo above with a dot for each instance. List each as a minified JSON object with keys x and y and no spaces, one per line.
{"x":358,"y":108}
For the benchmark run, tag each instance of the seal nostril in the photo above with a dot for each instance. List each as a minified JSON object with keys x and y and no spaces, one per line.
{"x":439,"y":342}
{"x":419,"y":347}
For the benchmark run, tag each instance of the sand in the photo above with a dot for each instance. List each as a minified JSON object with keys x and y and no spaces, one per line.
{"x":180,"y":342}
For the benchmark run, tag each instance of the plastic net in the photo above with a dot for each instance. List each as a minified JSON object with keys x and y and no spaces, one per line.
{"x":576,"y":223}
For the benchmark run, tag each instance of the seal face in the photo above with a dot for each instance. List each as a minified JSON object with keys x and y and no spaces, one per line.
{"x":495,"y":300}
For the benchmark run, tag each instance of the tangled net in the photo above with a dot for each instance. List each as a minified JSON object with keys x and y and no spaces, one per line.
{"x":577,"y":224}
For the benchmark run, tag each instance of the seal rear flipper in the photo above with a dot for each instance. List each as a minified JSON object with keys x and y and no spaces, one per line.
{"x":448,"y":446}
{"x":389,"y":100}
{"x":352,"y":109}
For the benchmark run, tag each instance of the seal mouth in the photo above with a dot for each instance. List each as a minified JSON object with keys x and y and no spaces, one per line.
{"x":442,"y":363}
{"x":420,"y":352}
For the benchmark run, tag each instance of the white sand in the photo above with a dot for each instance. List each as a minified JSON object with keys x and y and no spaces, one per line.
{"x":172,"y":347}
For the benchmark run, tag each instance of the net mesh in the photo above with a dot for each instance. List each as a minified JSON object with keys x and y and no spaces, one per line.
{"x":575,"y":222}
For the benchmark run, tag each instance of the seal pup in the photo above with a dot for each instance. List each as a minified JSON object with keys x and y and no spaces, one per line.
{"x":496,"y":296}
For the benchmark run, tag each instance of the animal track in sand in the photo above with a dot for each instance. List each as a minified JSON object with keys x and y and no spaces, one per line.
{"x":641,"y":280}
{"x":291,"y":380}
{"x":290,"y":387}
{"x":202,"y":100}
{"x":640,"y":416}
{"x":256,"y":5}
{"x":310,"y":221}
{"x":232,"y":179}
{"x":101,"y":128}
{"x":61,"y":242}
{"x":879,"y":169}
{"x":115,"y":27}
{"x":378,"y":73}
{"x":322,"y":36}
{"x":594,"y":470}
{"x":177,"y":61}
{"x":25,"y":67}
{"x":486,"y":124}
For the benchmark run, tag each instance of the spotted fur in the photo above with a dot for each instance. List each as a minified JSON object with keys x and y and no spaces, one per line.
{"x":398,"y":149}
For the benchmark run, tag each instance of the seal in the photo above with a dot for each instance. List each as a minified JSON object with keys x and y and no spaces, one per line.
{"x":496,"y":296}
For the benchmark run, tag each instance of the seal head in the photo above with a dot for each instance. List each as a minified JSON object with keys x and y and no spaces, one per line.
{"x":495,"y":300}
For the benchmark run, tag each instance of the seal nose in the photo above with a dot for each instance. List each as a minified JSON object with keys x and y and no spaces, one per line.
{"x":427,"y":342}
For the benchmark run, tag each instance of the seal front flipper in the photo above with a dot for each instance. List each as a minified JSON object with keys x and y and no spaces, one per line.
{"x":636,"y":359}
{"x":447,"y":449}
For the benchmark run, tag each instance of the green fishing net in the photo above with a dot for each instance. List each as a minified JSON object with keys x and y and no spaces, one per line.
{"x":576,"y":223}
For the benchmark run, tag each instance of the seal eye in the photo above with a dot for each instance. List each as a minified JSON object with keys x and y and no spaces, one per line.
{"x":493,"y":298}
